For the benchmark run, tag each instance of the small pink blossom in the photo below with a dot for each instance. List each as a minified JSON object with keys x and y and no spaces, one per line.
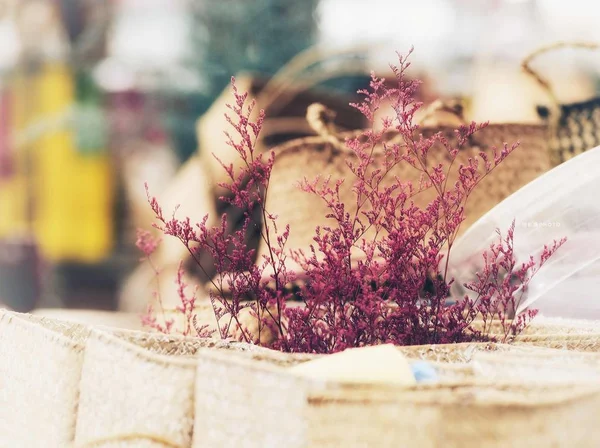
{"x":146,"y":242}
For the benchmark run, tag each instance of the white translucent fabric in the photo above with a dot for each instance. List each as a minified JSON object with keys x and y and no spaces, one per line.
{"x":564,"y":202}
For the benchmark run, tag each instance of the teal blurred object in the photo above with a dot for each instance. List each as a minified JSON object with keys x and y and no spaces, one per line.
{"x":231,"y":36}
{"x":91,"y":124}
{"x":258,"y":36}
{"x":179,"y":116}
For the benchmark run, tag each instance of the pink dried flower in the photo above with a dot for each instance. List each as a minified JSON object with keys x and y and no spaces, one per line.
{"x":187,"y":308}
{"x":502,"y":283}
{"x":397,"y":289}
{"x":146,"y":242}
{"x":237,"y":272}
{"x":151,"y":321}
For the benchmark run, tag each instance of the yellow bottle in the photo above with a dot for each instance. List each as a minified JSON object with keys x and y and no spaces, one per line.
{"x":73,"y":190}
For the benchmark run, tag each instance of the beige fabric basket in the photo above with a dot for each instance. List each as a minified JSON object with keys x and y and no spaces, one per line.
{"x":456,"y":416}
{"x":61,"y":379}
{"x":250,"y":400}
{"x":40,"y":367}
{"x":120,"y":388}
{"x":137,"y":389}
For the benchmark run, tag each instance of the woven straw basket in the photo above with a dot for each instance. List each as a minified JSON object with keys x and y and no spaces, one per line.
{"x":575,"y":127}
{"x":126,"y":321}
{"x":243,"y":391}
{"x":586,"y":342}
{"x":557,"y":333}
{"x":281,"y":124}
{"x":311,"y":157}
{"x":553,"y":366}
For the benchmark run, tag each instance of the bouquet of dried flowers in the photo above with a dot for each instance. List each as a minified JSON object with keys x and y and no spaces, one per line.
{"x":379,"y":274}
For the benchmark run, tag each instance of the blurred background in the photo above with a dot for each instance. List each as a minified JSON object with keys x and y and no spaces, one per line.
{"x":98,"y":97}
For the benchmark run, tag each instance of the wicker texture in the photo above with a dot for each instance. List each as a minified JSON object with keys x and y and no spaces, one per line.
{"x":588,"y":342}
{"x":114,"y":319}
{"x":459,"y":353}
{"x":314,"y":156}
{"x":573,"y":128}
{"x":282,"y":123}
{"x":554,"y":325}
{"x":554,"y":366}
{"x":562,"y":334}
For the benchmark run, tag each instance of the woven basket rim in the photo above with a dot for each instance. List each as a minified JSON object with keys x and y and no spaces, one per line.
{"x":179,"y":360}
{"x":299,"y":143}
{"x":502,"y":394}
{"x":36,"y":323}
{"x":507,"y":392}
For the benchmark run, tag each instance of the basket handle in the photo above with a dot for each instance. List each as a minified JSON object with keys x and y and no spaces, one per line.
{"x":320,"y":119}
{"x":285,"y":77}
{"x":454,"y":107}
{"x":525,"y":64}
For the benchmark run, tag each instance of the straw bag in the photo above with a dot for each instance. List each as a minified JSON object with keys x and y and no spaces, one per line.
{"x":252,"y":400}
{"x":573,"y":128}
{"x":326,"y":155}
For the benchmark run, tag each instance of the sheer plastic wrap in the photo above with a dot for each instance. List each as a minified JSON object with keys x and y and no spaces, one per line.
{"x":564,"y":202}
